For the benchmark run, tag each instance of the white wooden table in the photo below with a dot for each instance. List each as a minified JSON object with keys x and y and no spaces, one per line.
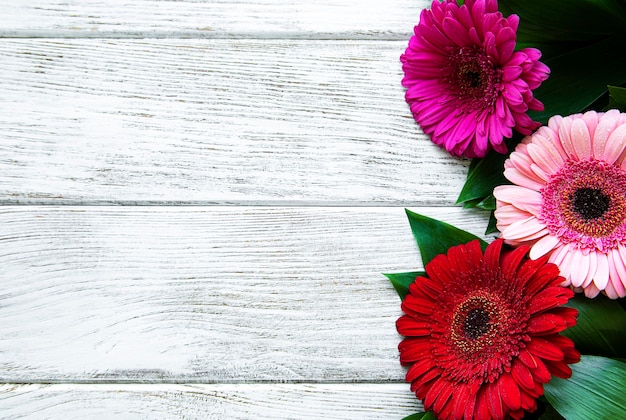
{"x":198,"y":198}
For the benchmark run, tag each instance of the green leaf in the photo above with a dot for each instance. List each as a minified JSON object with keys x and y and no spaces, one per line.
{"x":596,"y":390}
{"x":559,"y":21}
{"x":482,"y":177}
{"x":601,"y":326}
{"x":434,"y":237}
{"x":421,"y":416}
{"x":586,"y":71}
{"x":402,"y":281}
{"x":491,"y":226}
{"x":617,"y":98}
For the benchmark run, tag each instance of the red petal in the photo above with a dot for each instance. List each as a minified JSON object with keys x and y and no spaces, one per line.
{"x":546,"y":323}
{"x":439,"y":271}
{"x":481,"y":412}
{"x":418,"y":369}
{"x":522,"y":375}
{"x":559,"y":369}
{"x":495,"y":401}
{"x":528,"y":269}
{"x":459,"y":258}
{"x":413,"y":305}
{"x":412,"y":349}
{"x":549,"y":298}
{"x":492,"y":255}
{"x":546,"y":276}
{"x":410,"y":327}
{"x":443,"y":400}
{"x":461,"y":400}
{"x":512,"y":260}
{"x":527,"y":358}
{"x":568,"y":314}
{"x":528,"y":401}
{"x":433,"y":393}
{"x":541,"y":373}
{"x":545,"y":349}
{"x":471,"y":405}
{"x":510,"y":392}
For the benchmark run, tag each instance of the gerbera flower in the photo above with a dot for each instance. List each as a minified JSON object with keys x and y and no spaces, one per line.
{"x":482,"y":332}
{"x":467,"y":87}
{"x":569,"y":201}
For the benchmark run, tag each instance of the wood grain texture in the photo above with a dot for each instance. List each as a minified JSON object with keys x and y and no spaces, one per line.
{"x":391,"y":19}
{"x":263,"y":401}
{"x":186,"y":294}
{"x":213,"y":121}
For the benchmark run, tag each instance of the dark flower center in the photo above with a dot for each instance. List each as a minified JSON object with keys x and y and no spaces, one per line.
{"x":590,"y":203}
{"x":476,"y":323}
{"x":472,"y":78}
{"x":585,"y":203}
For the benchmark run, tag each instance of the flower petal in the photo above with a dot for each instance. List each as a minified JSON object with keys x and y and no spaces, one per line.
{"x":615,"y":145}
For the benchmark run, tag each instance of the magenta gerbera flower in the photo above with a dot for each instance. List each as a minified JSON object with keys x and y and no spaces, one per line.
{"x":569,"y":201}
{"x":482,"y":332}
{"x":466,"y":86}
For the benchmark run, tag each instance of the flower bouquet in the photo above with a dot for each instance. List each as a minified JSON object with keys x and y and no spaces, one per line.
{"x":532,"y":324}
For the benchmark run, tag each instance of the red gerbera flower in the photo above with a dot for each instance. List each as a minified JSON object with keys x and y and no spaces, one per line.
{"x":482,"y":332}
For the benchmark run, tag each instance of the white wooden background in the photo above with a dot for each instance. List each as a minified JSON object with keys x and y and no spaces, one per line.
{"x":197,"y":201}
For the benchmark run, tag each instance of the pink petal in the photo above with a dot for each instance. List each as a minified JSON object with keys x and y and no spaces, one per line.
{"x":551,"y":137}
{"x":566,"y":140}
{"x":522,"y":198}
{"x":591,"y":291}
{"x":591,"y":119}
{"x":606,"y":125}
{"x":537,"y":170}
{"x":544,"y":159}
{"x":521,"y":179}
{"x":615,"y":144}
{"x":543,"y":246}
{"x":593,"y":267}
{"x":581,"y":139}
{"x":507,"y":214}
{"x":601,"y":278}
{"x":523,"y":229}
{"x":579,"y":267}
{"x":455,"y":31}
{"x":618,"y":275}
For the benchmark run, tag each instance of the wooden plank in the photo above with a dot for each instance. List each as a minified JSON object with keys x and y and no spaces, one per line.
{"x":210,"y":18}
{"x":213,"y":122}
{"x":224,"y":401}
{"x":186,"y":294}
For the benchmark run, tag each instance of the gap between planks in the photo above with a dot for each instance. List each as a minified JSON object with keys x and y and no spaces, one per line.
{"x":341,"y":401}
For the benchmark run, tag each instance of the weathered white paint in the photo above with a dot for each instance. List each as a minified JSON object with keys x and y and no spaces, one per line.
{"x":213,"y":121}
{"x":223,"y":401}
{"x":270,"y":305}
{"x":204,"y":294}
{"x":211,"y":18}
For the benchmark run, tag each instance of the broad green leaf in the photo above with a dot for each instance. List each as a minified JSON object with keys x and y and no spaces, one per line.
{"x":434,"y":237}
{"x":482,"y":177}
{"x":559,"y":21}
{"x":421,"y":416}
{"x":617,"y":98}
{"x":580,"y":77}
{"x":402,"y":281}
{"x":601,"y":326}
{"x":596,"y":390}
{"x":491,"y":226}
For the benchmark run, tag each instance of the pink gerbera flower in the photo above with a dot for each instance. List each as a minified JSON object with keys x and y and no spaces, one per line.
{"x":467,"y":87}
{"x":569,"y":201}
